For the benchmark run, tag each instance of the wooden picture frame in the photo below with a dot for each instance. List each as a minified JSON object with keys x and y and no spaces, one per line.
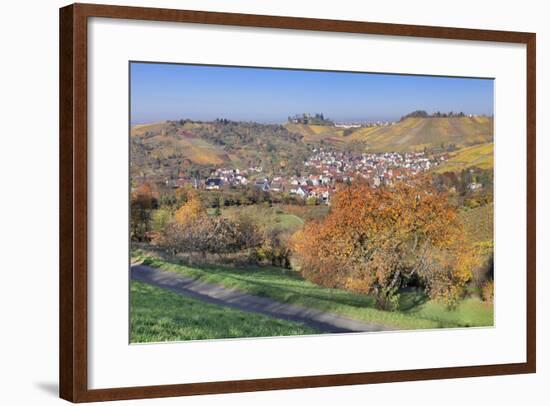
{"x":73,"y":199}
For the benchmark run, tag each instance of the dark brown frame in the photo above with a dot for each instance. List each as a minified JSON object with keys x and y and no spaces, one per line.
{"x":73,"y":331}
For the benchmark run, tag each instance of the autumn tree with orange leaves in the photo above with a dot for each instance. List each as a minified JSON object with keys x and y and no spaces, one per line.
{"x":375,"y":241}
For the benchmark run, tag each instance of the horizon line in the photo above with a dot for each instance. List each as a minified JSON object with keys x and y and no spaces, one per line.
{"x":335,"y":121}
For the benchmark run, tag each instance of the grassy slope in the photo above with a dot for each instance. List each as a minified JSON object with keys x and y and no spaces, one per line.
{"x":159,"y":315}
{"x":480,"y":156}
{"x":417,"y":133}
{"x":304,"y":130}
{"x":271,"y":217}
{"x":411,"y":134}
{"x":289,"y":221}
{"x":193,"y":148}
{"x":317,"y":133}
{"x":140,"y":129}
{"x":196,"y":149}
{"x":287,"y":286}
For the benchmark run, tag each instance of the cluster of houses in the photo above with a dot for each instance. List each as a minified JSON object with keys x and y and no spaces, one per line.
{"x":379,"y":168}
{"x":344,"y":161}
{"x":377,"y":123}
{"x":222,"y":176}
{"x":328,"y":168}
{"x":324,"y":170}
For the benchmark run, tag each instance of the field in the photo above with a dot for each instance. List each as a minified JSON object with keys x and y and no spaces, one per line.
{"x":415,"y":134}
{"x":195,"y":149}
{"x":271,"y":217}
{"x":479,"y":156}
{"x":415,"y":310}
{"x":158,"y":315}
{"x":316,"y":133}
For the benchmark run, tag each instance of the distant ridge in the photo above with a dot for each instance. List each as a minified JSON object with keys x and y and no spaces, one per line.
{"x":409,"y":134}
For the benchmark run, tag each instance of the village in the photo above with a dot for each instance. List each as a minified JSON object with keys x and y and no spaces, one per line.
{"x":323,"y":171}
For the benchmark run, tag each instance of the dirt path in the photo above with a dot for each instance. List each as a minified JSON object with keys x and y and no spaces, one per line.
{"x":326,"y":322}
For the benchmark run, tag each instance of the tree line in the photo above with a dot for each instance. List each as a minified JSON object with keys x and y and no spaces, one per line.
{"x":424,"y":114}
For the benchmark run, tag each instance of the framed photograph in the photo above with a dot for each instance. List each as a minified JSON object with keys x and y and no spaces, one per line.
{"x":255,"y":203}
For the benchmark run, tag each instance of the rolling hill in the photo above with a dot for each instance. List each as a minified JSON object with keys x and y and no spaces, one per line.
{"x":416,"y":133}
{"x":142,"y":129}
{"x":410,"y":134}
{"x":168,"y":146}
{"x":171,"y":146}
{"x":165,"y":140}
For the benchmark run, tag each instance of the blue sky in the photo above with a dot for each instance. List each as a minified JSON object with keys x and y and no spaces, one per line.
{"x":172,"y":91}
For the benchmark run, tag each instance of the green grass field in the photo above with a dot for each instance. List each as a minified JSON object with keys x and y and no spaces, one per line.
{"x":158,"y":315}
{"x":416,"y":312}
{"x":271,"y":217}
{"x":289,"y":220}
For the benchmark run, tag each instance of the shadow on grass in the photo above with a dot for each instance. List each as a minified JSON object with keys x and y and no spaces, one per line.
{"x":410,"y":300}
{"x":288,"y":286}
{"x":271,"y":285}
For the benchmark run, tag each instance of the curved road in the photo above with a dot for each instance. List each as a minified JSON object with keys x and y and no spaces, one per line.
{"x":325,"y":322}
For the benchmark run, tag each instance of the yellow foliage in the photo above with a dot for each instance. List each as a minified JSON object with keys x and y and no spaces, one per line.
{"x":190,"y":211}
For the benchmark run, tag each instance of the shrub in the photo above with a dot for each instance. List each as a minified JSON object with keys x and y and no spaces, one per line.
{"x":160,"y":219}
{"x":274,"y":248}
{"x":193,"y":231}
{"x":311,"y":201}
